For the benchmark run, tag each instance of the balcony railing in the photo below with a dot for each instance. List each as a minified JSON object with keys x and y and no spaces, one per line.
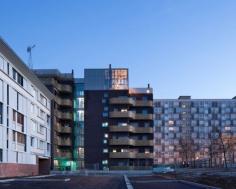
{"x":64,"y":115}
{"x":63,"y":102}
{"x":130,"y":155}
{"x":119,"y":114}
{"x":122,"y":100}
{"x":64,"y":88}
{"x":143,"y":103}
{"x":62,"y":129}
{"x":143,"y":116}
{"x":130,"y":142}
{"x":130,"y":128}
{"x":62,"y":142}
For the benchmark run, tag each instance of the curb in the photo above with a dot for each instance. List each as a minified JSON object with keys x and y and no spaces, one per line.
{"x":127,"y":182}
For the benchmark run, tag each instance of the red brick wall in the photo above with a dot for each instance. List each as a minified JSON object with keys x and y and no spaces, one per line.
{"x":16,"y":170}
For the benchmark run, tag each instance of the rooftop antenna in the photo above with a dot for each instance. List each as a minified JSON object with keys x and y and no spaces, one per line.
{"x":29,"y":50}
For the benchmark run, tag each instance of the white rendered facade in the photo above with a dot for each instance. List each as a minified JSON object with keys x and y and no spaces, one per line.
{"x":25,"y":128}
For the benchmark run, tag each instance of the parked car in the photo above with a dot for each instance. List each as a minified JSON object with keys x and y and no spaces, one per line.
{"x":163,"y":169}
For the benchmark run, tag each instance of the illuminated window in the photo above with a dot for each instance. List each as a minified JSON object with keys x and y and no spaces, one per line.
{"x":105,"y":124}
{"x":104,"y":162}
{"x":105,"y":141}
{"x":124,"y":110}
{"x":227,"y":128}
{"x":114,"y":150}
{"x":170,"y":122}
{"x":106,"y":135}
{"x":105,"y":150}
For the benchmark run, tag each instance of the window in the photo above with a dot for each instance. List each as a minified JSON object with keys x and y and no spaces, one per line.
{"x":81,"y":115}
{"x":20,"y":79}
{"x":104,"y":114}
{"x":1,"y":113}
{"x":43,"y":100}
{"x":105,"y":150}
{"x":105,"y":124}
{"x":14,"y":73}
{"x":32,"y":141}
{"x":105,"y":108}
{"x":34,"y":125}
{"x":17,"y":77}
{"x":41,"y":129}
{"x":81,"y":102}
{"x":1,"y":155}
{"x":20,"y":118}
{"x":105,"y":135}
{"x":104,"y":141}
{"x":41,"y":144}
{"x":20,"y":137}
{"x":104,"y":162}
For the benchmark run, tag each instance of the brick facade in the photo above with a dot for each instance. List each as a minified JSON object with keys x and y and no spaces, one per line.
{"x":17,"y":170}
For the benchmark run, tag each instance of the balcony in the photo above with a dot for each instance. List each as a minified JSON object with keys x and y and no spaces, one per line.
{"x":130,"y":155}
{"x":64,"y":142}
{"x":130,"y":142}
{"x":119,"y":114}
{"x":122,"y":100}
{"x":143,"y":103}
{"x":64,"y":88}
{"x":64,"y":155}
{"x":144,"y":116}
{"x":63,"y":102}
{"x":62,"y":129}
{"x":130,"y":128}
{"x":64,"y":115}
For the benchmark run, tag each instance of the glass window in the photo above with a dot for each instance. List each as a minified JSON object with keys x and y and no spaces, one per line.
{"x":1,"y":155}
{"x":32,"y":141}
{"x":105,"y":135}
{"x":105,"y":141}
{"x":20,"y":79}
{"x":104,"y":162}
{"x":1,"y":113}
{"x":105,"y":124}
{"x":105,"y":150}
{"x":105,"y":114}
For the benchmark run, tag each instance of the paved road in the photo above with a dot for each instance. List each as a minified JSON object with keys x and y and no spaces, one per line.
{"x":155,"y":182}
{"x":67,"y":182}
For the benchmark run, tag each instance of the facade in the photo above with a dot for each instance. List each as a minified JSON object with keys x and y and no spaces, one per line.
{"x":195,"y":132}
{"x":118,"y":121}
{"x":79,"y":123}
{"x":61,"y":85}
{"x":25,"y":141}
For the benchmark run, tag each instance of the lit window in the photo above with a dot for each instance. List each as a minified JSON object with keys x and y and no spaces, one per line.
{"x":105,"y":114}
{"x":106,"y":135}
{"x":105,"y":141}
{"x":105,"y":124}
{"x":171,"y":128}
{"x":170,"y":122}
{"x":105,"y":150}
{"x":114,"y":150}
{"x":104,"y":162}
{"x":227,"y":128}
{"x":124,"y":110}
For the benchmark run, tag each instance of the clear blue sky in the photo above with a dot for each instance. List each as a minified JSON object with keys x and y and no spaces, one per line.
{"x":180,"y":47}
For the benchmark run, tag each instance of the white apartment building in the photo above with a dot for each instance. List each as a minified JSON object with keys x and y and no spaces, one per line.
{"x":25,"y":120}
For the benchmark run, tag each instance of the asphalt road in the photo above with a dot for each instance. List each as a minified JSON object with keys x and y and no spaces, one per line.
{"x":156,"y":182}
{"x":67,"y":182}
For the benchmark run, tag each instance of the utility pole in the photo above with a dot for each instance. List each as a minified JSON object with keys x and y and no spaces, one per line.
{"x":30,"y":61}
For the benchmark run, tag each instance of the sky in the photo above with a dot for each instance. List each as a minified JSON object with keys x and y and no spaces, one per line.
{"x":180,"y":47}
